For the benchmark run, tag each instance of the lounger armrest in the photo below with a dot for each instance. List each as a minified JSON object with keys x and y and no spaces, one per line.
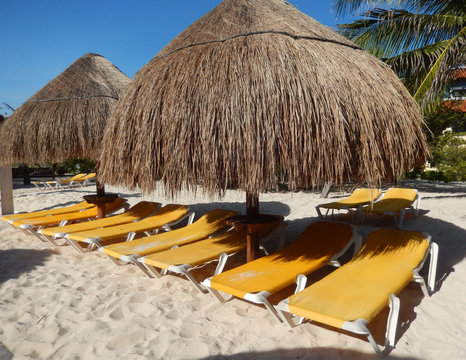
{"x":356,"y":239}
{"x":190,"y":215}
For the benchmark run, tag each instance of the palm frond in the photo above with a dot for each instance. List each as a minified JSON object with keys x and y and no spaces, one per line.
{"x":387,"y":33}
{"x":342,"y":7}
{"x":432,"y":89}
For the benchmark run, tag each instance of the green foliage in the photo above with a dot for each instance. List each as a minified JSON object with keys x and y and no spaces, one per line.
{"x":443,"y":118}
{"x":422,"y":40}
{"x":449,"y":156}
{"x":77,"y":166}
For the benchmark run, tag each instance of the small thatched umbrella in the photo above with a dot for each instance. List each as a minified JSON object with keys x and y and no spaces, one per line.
{"x":67,"y":117}
{"x":256,"y":92}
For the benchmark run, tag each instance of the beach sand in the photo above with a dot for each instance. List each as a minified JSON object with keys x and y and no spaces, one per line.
{"x":58,"y":304}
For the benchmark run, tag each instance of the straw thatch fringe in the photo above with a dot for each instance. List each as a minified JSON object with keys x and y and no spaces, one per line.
{"x":254,"y":110}
{"x":67,"y":117}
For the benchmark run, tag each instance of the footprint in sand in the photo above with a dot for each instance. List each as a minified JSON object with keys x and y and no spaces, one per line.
{"x":117,"y":314}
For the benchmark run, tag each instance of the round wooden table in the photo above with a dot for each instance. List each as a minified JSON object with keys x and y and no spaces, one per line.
{"x":253,"y":227}
{"x":100,"y":201}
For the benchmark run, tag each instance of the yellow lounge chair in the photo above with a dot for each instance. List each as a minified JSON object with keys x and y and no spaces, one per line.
{"x":395,"y":201}
{"x":84,"y":180}
{"x":33,"y":225}
{"x":163,"y":218}
{"x":320,"y":244}
{"x":83,"y":205}
{"x":135,"y":213}
{"x":181,"y":260}
{"x":208,"y":224}
{"x":355,"y":201}
{"x":38,"y":186}
{"x":351,"y":296}
{"x":54,"y":185}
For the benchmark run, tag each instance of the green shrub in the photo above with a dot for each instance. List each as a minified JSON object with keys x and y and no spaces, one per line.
{"x":77,"y":166}
{"x":449,"y":157}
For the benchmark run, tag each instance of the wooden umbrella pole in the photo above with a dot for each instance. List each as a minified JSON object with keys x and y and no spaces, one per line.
{"x":252,"y":236}
{"x":252,"y":204}
{"x":100,"y":192}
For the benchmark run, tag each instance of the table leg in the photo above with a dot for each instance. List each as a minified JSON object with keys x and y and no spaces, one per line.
{"x":252,"y":246}
{"x":100,"y":211}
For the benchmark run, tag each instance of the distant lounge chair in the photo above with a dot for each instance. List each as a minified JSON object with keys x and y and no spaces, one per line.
{"x":60,"y":210}
{"x":183,"y":259}
{"x":164,"y":218}
{"x":320,"y":244}
{"x":84,"y":180}
{"x":135,"y":213}
{"x":38,"y":186}
{"x":355,"y":201}
{"x":395,"y":201}
{"x":208,"y":224}
{"x":351,"y":296}
{"x":33,"y":225}
{"x":54,"y":185}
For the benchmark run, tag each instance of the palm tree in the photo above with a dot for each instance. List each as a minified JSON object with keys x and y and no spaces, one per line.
{"x":422,"y":40}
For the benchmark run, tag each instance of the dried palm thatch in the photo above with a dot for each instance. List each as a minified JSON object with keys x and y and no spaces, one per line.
{"x":67,"y":117}
{"x":253,"y":93}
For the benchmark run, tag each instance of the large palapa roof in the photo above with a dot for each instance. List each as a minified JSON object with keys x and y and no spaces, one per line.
{"x":256,"y":92}
{"x":67,"y":117}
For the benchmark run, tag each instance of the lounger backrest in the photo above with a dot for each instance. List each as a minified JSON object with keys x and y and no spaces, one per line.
{"x":143,"y":209}
{"x":392,"y":246}
{"x":211,"y":221}
{"x":73,"y":178}
{"x":396,"y":199}
{"x":320,"y":239}
{"x":363,"y":195}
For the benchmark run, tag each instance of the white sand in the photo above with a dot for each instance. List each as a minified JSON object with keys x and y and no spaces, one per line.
{"x":58,"y":304}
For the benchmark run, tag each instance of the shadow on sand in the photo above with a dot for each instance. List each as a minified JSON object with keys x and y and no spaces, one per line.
{"x":5,"y":354}
{"x":18,"y":261}
{"x":304,"y":353}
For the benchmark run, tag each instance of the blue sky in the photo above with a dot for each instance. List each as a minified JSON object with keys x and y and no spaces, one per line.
{"x":41,"y":38}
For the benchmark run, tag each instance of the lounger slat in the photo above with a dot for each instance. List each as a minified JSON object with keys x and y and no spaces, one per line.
{"x":311,"y":251}
{"x":61,"y":210}
{"x":72,"y":216}
{"x":138,"y":211}
{"x":167,"y":214}
{"x":208,"y":224}
{"x":361,"y":288}
{"x":200,"y":252}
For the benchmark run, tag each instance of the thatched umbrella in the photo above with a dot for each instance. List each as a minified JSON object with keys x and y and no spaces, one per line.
{"x":254,"y":93}
{"x":67,"y":117}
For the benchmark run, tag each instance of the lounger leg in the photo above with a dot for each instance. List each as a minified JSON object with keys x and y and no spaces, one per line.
{"x":222,"y":261}
{"x":433,"y":266}
{"x":359,"y":327}
{"x":318,"y":212}
{"x":75,"y":245}
{"x":402,"y":216}
{"x":150,"y":271}
{"x":219,"y":296}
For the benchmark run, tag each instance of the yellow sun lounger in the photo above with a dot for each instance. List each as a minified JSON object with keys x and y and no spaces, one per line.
{"x":32,"y":225}
{"x":355,"y":201}
{"x":320,"y":244}
{"x":395,"y":201}
{"x":163,"y":218}
{"x":135,"y":213}
{"x":181,"y":260}
{"x":206,"y":225}
{"x":351,"y":296}
{"x":60,"y":210}
{"x":83,"y":181}
{"x":58,"y":184}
